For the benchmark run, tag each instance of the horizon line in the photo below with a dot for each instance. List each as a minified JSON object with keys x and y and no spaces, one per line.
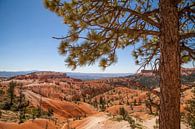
{"x":66,"y":71}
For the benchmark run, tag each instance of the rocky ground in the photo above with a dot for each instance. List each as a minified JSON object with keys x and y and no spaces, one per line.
{"x":77,"y":104}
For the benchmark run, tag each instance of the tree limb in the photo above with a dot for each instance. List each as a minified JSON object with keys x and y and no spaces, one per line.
{"x":187,"y":35}
{"x":141,"y":16}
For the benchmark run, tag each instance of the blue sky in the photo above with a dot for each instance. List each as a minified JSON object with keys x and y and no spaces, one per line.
{"x":26,"y":28}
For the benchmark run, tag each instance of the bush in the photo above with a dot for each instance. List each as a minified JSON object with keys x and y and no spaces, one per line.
{"x":123,"y":113}
{"x":36,"y":113}
{"x":50,"y":112}
{"x":131,"y":122}
{"x":1,"y":92}
{"x":5,"y":106}
{"x":125,"y":116}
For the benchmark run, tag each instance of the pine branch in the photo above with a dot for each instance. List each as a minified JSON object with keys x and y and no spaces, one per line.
{"x":187,"y":9}
{"x":187,"y":35}
{"x":141,"y":16}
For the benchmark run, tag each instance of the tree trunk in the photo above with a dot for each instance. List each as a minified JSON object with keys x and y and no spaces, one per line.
{"x":169,"y":66}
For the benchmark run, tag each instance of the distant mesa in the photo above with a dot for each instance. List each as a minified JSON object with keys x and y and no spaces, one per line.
{"x":42,"y":75}
{"x":147,"y":73}
{"x":184,"y":71}
{"x":187,"y":71}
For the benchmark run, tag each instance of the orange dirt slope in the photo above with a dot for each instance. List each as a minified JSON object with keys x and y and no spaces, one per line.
{"x":35,"y":124}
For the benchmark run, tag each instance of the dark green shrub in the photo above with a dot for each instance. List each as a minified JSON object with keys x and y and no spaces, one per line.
{"x":123,"y":113}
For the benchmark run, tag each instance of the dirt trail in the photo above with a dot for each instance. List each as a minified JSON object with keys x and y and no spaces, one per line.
{"x":93,"y":122}
{"x":100,"y":121}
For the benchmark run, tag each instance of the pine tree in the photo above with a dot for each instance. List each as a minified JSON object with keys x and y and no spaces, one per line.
{"x":102,"y":103}
{"x":148,"y":102}
{"x":22,"y":104}
{"x":164,"y":28}
{"x":50,"y":112}
{"x":123,"y":113}
{"x":135,"y":102}
{"x":10,"y":91}
{"x":191,"y":111}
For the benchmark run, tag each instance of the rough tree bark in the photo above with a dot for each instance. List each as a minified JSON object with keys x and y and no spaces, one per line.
{"x":169,"y":66}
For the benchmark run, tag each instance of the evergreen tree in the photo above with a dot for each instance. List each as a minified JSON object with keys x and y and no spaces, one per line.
{"x":131,"y":106}
{"x":99,"y":27}
{"x":123,"y":113}
{"x":50,"y":112}
{"x":10,"y":91}
{"x":22,"y":104}
{"x":135,"y":102}
{"x":128,"y":118}
{"x":191,"y":111}
{"x":95,"y":103}
{"x":148,"y":102}
{"x":102,"y":103}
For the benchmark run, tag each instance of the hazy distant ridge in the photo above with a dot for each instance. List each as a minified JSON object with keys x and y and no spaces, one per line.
{"x":12,"y":74}
{"x":83,"y":76}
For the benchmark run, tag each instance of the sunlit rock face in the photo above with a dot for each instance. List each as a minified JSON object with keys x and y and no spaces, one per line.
{"x":42,"y":75}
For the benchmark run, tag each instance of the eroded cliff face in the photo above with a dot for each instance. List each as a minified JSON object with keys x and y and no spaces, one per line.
{"x":71,"y":98}
{"x":42,"y":75}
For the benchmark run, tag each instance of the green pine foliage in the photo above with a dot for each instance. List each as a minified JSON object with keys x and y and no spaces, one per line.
{"x":98,"y":28}
{"x":10,"y":91}
{"x":125,"y":116}
{"x":190,"y":116}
